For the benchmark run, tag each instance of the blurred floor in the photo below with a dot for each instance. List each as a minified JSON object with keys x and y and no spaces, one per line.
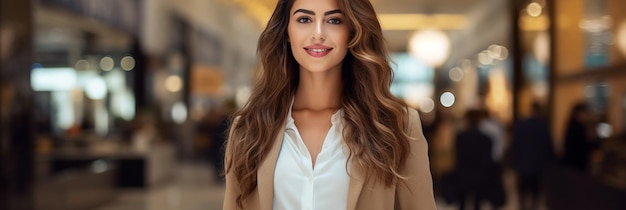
{"x":511,"y":196}
{"x":193,"y":188}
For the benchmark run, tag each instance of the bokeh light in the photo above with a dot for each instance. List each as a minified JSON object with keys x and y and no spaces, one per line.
{"x":430,"y":46}
{"x":82,"y":65}
{"x":107,"y":63}
{"x":604,"y":130}
{"x":447,"y":99}
{"x":173,"y":83}
{"x":179,"y":112}
{"x":127,"y":63}
{"x":484,"y":58}
{"x":621,"y":37}
{"x":498,"y":52}
{"x":534,"y":9}
{"x":96,"y":88}
{"x":427,"y":105}
{"x":541,"y":47}
{"x":456,"y":74}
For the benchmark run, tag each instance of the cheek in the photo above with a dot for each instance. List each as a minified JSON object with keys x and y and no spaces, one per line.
{"x":289,"y":33}
{"x":291,"y":37}
{"x":343,"y":38}
{"x":292,"y":31}
{"x":346,"y":38}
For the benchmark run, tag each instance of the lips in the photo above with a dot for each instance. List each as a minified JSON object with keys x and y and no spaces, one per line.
{"x":318,"y":50}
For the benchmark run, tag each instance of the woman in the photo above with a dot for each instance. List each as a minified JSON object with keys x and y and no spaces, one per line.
{"x":321,"y":129}
{"x":578,"y":138}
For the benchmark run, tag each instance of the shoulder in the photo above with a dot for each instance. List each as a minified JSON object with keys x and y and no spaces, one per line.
{"x":412,"y":115}
{"x":414,"y":131}
{"x":416,"y":191}
{"x":234,"y":120}
{"x":231,"y":124}
{"x":231,"y":128}
{"x":414,"y":124}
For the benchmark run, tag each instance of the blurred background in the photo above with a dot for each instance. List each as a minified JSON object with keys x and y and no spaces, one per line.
{"x":123,"y":104}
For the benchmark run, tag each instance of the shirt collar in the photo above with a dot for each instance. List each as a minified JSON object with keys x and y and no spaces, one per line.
{"x":337,"y":117}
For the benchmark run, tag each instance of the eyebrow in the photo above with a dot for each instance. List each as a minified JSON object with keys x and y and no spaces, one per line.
{"x":313,"y":13}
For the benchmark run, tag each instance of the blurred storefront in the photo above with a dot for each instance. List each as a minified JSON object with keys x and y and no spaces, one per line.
{"x":111,"y":93}
{"x":583,"y":41}
{"x":590,"y":66}
{"x":556,"y":53}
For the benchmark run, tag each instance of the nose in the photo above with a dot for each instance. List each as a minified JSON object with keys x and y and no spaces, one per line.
{"x":319,"y":33}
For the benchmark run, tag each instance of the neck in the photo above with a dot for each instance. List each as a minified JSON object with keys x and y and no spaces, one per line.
{"x":319,"y":90}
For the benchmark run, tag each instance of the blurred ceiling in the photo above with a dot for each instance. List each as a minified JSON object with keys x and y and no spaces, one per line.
{"x":472,"y":25}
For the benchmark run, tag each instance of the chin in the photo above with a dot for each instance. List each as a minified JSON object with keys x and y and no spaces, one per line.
{"x":317,"y":67}
{"x":320,"y":65}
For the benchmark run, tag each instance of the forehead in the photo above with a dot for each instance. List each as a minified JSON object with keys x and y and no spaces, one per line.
{"x":315,"y":5}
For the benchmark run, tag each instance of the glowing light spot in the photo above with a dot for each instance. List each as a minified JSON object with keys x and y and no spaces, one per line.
{"x":534,"y":9}
{"x":447,"y":99}
{"x":173,"y":83}
{"x":127,"y":63}
{"x":456,"y":74}
{"x":107,"y":63}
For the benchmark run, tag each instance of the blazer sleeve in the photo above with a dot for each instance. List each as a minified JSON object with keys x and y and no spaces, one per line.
{"x":232,"y":184}
{"x":416,"y":192}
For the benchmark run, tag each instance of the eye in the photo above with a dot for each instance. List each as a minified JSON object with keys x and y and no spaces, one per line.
{"x":334,"y":21}
{"x":304,"y":20}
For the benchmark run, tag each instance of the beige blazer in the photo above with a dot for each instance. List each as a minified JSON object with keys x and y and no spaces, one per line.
{"x":372,"y":196}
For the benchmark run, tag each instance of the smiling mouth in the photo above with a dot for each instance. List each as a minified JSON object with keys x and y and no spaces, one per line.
{"x":318,"y":52}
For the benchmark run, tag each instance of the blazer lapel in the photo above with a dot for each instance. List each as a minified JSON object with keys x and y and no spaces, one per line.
{"x":265,"y":174}
{"x":357,"y":179}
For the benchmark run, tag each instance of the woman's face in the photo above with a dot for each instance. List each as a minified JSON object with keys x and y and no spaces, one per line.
{"x":318,"y":34}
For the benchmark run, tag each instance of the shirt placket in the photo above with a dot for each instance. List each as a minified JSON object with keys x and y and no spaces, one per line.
{"x":307,"y":193}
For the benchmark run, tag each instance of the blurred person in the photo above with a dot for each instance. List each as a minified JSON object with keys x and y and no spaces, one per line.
{"x":494,"y":129}
{"x":532,"y":149}
{"x":475,"y":170}
{"x":578,"y":138}
{"x":321,"y":129}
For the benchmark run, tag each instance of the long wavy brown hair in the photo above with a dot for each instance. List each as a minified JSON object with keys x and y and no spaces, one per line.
{"x":375,"y":119}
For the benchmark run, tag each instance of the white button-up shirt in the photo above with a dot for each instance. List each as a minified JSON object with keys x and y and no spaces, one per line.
{"x":297,"y":185}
